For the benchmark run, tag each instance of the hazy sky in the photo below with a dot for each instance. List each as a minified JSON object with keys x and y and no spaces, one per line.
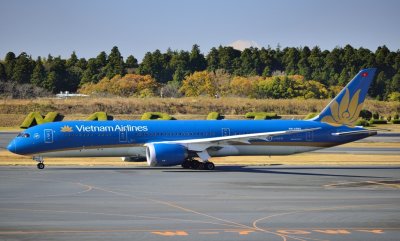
{"x":40,"y":27}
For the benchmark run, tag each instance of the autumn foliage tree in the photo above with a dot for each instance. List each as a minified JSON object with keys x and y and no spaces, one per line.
{"x":253,"y":72}
{"x":207,"y":83}
{"x":199,"y":83}
{"x":128,"y":85}
{"x":242,"y":86}
{"x":291,"y":86}
{"x":222,"y":84}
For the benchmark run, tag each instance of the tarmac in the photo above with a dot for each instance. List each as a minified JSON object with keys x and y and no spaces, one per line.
{"x":229,"y":203}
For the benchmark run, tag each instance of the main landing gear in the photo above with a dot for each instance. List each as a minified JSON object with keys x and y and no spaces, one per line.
{"x":40,"y":161}
{"x":197,"y":165}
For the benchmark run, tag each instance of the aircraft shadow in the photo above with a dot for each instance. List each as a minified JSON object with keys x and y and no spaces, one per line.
{"x":245,"y":169}
{"x":292,"y":170}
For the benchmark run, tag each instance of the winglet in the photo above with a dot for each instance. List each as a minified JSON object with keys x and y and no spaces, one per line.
{"x":345,"y":108}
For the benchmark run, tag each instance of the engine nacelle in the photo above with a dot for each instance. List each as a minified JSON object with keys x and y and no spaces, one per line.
{"x":165,"y":154}
{"x":133,"y":158}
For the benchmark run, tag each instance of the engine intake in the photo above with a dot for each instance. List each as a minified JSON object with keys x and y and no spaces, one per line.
{"x":165,"y":154}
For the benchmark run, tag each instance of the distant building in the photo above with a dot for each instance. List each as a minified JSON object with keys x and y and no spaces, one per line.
{"x":66,"y":94}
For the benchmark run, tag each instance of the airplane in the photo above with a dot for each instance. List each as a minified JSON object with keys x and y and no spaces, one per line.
{"x":191,"y":143}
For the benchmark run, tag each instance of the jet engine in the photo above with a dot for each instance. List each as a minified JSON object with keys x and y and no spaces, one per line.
{"x":165,"y":154}
{"x":133,"y":158}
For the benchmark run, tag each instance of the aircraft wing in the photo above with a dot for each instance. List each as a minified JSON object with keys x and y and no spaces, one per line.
{"x":244,"y":138}
{"x":200,"y":145}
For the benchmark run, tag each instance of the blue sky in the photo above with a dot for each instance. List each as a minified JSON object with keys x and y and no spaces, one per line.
{"x":58,"y":27}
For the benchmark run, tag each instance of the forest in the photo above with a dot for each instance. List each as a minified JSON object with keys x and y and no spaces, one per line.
{"x":290,"y":72}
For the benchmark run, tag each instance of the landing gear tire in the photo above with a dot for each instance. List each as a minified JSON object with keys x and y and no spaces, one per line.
{"x":201,"y":166}
{"x":195,"y":164}
{"x":209,"y":166}
{"x":186,"y":164}
{"x":40,"y":165}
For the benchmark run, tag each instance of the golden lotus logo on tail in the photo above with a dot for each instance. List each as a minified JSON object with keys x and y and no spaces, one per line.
{"x":345,"y":113}
{"x":66,"y":129}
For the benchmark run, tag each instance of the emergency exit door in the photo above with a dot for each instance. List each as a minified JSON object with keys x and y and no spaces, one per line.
{"x":226,"y":132}
{"x":123,"y":136}
{"x":48,"y":136}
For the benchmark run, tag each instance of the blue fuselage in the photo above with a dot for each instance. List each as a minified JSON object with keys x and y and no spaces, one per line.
{"x":127,"y":138}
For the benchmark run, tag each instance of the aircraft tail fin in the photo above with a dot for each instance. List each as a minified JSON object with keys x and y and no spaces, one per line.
{"x":345,"y":108}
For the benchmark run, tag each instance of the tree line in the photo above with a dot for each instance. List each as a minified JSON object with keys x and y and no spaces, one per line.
{"x":319,"y":70}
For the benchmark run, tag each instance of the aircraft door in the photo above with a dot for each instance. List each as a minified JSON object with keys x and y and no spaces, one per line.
{"x":48,"y":136}
{"x":309,"y":136}
{"x":226,"y":132}
{"x":123,"y":136}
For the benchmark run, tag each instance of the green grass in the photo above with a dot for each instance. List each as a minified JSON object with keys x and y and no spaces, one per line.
{"x":35,"y":118}
{"x":100,"y":116}
{"x":397,"y":121}
{"x":10,"y":159}
{"x":10,"y":128}
{"x":173,"y":106}
{"x":214,"y":116}
{"x":374,"y":122}
{"x":261,"y":116}
{"x":310,"y":116}
{"x":156,"y":116}
{"x":362,"y":122}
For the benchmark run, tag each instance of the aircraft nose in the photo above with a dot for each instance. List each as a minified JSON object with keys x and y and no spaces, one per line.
{"x":12,"y":147}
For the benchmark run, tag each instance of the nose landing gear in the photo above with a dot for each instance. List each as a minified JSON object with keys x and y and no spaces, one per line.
{"x":40,"y":165}
{"x":40,"y":161}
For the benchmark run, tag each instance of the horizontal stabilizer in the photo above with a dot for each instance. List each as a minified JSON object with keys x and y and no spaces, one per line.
{"x":348,"y":133}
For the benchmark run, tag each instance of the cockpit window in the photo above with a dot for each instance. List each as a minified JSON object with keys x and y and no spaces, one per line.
{"x":23,"y":135}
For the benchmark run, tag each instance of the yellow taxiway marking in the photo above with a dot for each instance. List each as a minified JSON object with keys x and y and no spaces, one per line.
{"x":287,"y":233}
{"x":224,"y":221}
{"x":362,"y":184}
{"x":241,"y":229}
{"x":171,"y":233}
{"x":385,"y":184}
{"x":310,"y":210}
